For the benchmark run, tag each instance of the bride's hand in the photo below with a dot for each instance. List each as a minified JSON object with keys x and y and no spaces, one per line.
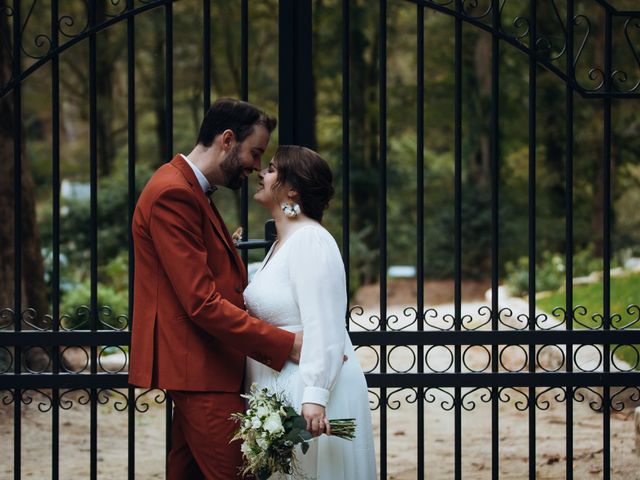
{"x":317,"y":422}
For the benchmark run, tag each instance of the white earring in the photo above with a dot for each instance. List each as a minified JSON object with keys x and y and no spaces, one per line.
{"x":291,"y":210}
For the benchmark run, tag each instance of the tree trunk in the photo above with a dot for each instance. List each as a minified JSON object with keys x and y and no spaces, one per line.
{"x":157,"y":91}
{"x":365,"y":130}
{"x":104,"y":87}
{"x":33,"y":286}
{"x":480,"y":160}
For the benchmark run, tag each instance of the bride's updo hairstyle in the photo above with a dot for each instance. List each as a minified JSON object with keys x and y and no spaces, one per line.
{"x":307,"y":173}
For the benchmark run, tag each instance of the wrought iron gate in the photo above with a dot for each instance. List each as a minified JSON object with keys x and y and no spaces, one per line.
{"x":458,"y":386}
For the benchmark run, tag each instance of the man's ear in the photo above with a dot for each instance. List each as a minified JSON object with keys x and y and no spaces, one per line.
{"x":226,"y":139}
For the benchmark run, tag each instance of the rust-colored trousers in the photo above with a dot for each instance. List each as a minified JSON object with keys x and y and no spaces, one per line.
{"x":201,"y":432}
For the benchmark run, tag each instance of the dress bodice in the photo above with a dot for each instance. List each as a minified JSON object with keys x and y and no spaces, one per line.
{"x":269,"y":295}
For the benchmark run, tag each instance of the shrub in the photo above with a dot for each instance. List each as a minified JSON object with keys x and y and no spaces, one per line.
{"x":112,"y":305}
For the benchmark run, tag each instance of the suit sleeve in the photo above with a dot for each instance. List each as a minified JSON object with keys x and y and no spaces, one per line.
{"x":175,"y":228}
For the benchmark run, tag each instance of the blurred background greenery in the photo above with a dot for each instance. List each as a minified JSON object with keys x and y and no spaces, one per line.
{"x":364,"y":153}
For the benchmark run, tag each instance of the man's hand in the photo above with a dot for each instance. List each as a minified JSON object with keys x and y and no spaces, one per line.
{"x":317,"y":422}
{"x":294,"y":355}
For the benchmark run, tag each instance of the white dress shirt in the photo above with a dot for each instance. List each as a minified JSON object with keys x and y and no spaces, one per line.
{"x":202,"y":180}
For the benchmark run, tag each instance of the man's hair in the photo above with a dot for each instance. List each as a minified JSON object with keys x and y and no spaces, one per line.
{"x":235,"y":115}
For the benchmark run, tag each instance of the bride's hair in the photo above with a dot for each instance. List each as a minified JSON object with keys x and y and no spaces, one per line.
{"x":307,"y":173}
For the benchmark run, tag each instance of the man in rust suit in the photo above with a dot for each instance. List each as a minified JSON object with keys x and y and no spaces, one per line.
{"x":190,"y":332}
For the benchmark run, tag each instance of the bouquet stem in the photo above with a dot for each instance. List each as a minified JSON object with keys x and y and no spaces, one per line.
{"x":343,"y":428}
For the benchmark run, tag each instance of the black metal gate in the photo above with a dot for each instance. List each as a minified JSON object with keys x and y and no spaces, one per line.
{"x":583,"y":55}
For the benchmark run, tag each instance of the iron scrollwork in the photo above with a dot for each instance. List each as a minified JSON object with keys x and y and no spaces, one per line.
{"x":27,"y":397}
{"x":141,"y":402}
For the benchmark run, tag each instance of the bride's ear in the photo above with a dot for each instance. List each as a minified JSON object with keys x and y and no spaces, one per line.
{"x":292,"y":194}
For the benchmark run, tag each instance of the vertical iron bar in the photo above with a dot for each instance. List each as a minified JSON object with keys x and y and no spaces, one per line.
{"x":244,"y":79}
{"x":206,"y":54}
{"x":244,"y":93}
{"x":606,"y":234}
{"x":383,"y":228}
{"x":93,"y":181}
{"x":346,"y":212}
{"x":533,"y":36}
{"x":458,"y":237}
{"x":17,"y":226}
{"x":295,"y":69}
{"x":169,"y":77}
{"x":55,"y":283}
{"x":131,"y":193}
{"x":269,"y":234}
{"x":168,"y":17}
{"x":569,"y":236}
{"x":495,"y":232}
{"x":420,"y":225}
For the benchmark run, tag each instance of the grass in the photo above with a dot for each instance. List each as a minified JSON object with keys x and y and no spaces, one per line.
{"x":625,"y":291}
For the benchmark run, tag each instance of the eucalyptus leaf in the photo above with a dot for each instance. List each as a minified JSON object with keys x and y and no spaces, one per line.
{"x":304,"y":446}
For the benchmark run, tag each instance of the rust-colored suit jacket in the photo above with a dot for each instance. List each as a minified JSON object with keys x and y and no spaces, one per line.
{"x":190,"y":330}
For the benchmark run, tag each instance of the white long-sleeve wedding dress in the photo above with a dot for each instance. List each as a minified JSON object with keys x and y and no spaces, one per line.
{"x":302,"y":287}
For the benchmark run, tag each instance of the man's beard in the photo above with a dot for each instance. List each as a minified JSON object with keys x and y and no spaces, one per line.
{"x":232,"y":169}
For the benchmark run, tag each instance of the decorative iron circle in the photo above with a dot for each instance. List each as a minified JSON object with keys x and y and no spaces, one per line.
{"x":628,"y":347}
{"x":540,"y":358}
{"x":433,"y":368}
{"x":469,"y":362}
{"x":6,"y":360}
{"x":505,"y":365}
{"x":74,"y":355}
{"x":594,"y":366}
{"x":398,"y":358}
{"x":365,"y":360}
{"x":37,"y":359}
{"x":107,"y":352}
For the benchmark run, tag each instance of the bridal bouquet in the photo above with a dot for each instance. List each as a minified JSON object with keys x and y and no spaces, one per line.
{"x":271,"y":428}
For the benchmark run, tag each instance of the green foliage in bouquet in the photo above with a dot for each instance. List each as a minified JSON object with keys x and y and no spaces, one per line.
{"x":271,"y":428}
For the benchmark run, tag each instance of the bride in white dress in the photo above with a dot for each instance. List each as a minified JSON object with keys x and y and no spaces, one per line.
{"x":301,"y":286}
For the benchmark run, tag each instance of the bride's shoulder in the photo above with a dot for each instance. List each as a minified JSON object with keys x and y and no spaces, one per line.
{"x":312,"y":237}
{"x":312,"y":232}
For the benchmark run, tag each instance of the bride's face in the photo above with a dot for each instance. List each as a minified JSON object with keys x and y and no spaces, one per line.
{"x":265,"y":194}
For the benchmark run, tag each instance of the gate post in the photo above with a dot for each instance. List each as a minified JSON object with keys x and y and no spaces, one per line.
{"x":296,"y":111}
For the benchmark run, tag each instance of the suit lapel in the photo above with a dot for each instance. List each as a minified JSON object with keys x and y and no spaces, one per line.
{"x":213,"y":214}
{"x":217,"y":221}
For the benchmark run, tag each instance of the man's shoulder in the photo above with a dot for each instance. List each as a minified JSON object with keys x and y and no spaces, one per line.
{"x":167,"y":177}
{"x":166,"y":181}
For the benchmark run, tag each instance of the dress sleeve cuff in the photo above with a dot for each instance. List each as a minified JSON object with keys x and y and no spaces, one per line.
{"x":316,"y":395}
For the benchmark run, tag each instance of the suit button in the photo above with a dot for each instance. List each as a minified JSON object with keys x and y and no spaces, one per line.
{"x":238,"y":289}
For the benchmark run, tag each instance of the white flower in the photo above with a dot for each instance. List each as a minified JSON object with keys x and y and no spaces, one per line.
{"x":245,"y":448}
{"x":256,"y":423}
{"x":263,"y":444}
{"x":273,"y":424}
{"x":262,"y":412}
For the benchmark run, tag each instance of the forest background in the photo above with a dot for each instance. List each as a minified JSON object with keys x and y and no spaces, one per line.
{"x":152,"y":147}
